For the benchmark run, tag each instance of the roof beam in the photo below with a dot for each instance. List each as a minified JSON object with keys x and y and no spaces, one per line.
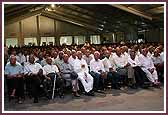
{"x":132,"y":10}
{"x":74,"y":22}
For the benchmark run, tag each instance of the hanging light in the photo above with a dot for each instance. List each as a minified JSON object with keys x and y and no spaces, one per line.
{"x":52,"y":5}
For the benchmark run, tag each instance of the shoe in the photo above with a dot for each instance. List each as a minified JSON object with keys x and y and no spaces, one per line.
{"x":75,"y":94}
{"x":19,"y":101}
{"x":61,"y":96}
{"x":35,"y":100}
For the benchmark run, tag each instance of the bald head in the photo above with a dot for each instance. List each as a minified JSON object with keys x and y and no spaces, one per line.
{"x":118,"y":51}
{"x":79,"y":55}
{"x":96,"y":55}
{"x":49,"y":60}
{"x":73,"y":53}
{"x":13,"y":60}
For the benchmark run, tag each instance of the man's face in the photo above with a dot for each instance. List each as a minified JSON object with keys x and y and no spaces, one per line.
{"x":108,"y":54}
{"x":49,"y":60}
{"x":132,"y":55}
{"x":31,"y":59}
{"x":13,"y":60}
{"x":73,"y":54}
{"x":96,"y":56}
{"x":61,"y":55}
{"x":87,"y":52}
{"x":118,"y":51}
{"x":145,"y":52}
{"x":66,"y":57}
{"x":79,"y":54}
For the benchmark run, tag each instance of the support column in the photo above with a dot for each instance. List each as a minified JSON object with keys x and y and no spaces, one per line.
{"x":73,"y":41}
{"x":21,"y":38}
{"x":56,"y":36}
{"x":87,"y":37}
{"x":38,"y":31}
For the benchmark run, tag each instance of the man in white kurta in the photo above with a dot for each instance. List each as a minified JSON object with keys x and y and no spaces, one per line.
{"x":97,"y":71}
{"x":72,"y":58}
{"x":81,"y":68}
{"x":148,"y":67}
{"x":110,"y":69}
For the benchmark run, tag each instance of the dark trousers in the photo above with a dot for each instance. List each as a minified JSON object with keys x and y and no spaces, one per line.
{"x":114,"y":77}
{"x":16,"y":83}
{"x":59,"y":84}
{"x":98,"y":80}
{"x":140,"y":76}
{"x":33,"y":85}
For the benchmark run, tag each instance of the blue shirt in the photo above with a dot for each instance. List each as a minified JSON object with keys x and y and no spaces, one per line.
{"x":11,"y":70}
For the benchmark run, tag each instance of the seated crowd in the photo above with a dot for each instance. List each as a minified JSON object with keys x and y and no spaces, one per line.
{"x":46,"y":71}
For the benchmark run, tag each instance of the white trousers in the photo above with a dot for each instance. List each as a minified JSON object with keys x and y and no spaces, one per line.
{"x":151,"y":76}
{"x":88,"y":83}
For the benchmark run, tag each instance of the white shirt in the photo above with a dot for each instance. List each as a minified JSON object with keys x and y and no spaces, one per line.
{"x":149,"y":54}
{"x":162,"y":56}
{"x":107,"y":64}
{"x":156,"y":60}
{"x":32,"y":68}
{"x":134,"y":62}
{"x":146,"y":62}
{"x":120,"y":61}
{"x":50,"y":69}
{"x":72,"y":60}
{"x":78,"y":66}
{"x":95,"y":66}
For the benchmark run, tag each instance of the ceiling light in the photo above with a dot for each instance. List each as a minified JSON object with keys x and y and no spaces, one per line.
{"x":52,"y":5}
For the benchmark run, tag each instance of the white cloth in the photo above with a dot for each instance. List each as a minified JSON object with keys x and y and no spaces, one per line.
{"x":162,"y":56}
{"x":146,"y":63}
{"x":149,"y":54}
{"x":135,"y":62}
{"x":83,"y":74}
{"x":32,"y":68}
{"x":156,"y":60}
{"x":107,"y":64}
{"x":95,"y":66}
{"x":50,"y":69}
{"x":71,"y":60}
{"x":120,"y":61}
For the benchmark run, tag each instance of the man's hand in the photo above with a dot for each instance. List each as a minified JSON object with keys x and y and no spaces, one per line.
{"x":128,"y":64}
{"x":151,"y":70}
{"x":83,"y":66}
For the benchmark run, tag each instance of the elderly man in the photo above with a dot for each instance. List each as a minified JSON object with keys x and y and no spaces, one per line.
{"x":148,"y":67}
{"x":110,"y":69}
{"x":14,"y":75}
{"x":139,"y":74}
{"x":81,"y":68}
{"x":98,"y":72}
{"x":33,"y":71}
{"x":121,"y":64}
{"x":72,"y":58}
{"x":69,"y":75}
{"x":158,"y":63}
{"x":87,"y":57}
{"x":52,"y":73}
{"x":59,"y":59}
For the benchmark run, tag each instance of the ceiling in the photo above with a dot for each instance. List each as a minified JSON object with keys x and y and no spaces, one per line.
{"x":96,"y":17}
